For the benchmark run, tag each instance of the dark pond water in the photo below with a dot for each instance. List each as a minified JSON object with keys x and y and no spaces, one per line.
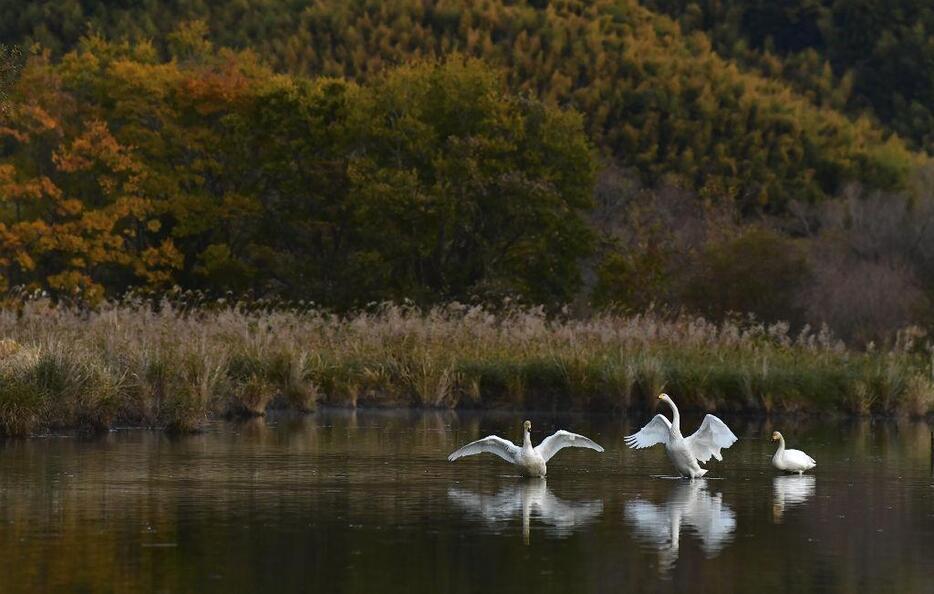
{"x":366,"y":502}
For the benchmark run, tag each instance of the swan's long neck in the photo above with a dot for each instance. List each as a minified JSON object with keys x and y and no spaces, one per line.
{"x":526,"y":439}
{"x":781,"y":446}
{"x":675,"y":416}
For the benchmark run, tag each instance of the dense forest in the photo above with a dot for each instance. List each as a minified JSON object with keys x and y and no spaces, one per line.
{"x":859,"y":55}
{"x":711,"y":156}
{"x":856,"y":55}
{"x":217,"y":173}
{"x":657,"y":99}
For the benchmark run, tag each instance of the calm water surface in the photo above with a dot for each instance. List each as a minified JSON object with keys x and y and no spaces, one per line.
{"x":366,"y":502}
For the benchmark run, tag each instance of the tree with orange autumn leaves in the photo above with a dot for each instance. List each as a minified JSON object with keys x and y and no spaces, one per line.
{"x":119,"y":169}
{"x":75,"y":218}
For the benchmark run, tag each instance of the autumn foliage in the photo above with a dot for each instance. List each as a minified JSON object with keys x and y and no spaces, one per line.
{"x":444,"y":151}
{"x":121,"y":170}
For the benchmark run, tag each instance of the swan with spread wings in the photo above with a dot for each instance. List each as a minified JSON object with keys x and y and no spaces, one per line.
{"x":684,"y":452}
{"x":531,"y":461}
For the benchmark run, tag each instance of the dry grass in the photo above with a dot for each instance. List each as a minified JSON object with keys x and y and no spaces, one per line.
{"x":175,"y":367}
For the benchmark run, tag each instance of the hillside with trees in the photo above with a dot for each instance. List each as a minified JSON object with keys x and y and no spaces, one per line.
{"x":654,"y":98}
{"x":854,"y":55}
{"x":858,"y":55}
{"x":606,"y":153}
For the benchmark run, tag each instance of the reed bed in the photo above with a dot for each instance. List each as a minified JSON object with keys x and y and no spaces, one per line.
{"x":176,"y":367}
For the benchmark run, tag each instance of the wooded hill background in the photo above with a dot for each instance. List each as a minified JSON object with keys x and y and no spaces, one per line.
{"x":730,"y":156}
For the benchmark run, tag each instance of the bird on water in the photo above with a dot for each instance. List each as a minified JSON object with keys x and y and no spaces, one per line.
{"x":532,"y":461}
{"x":684,"y":452}
{"x":790,"y":460}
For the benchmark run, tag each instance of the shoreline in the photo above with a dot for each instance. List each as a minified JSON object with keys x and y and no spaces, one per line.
{"x":275,"y":415}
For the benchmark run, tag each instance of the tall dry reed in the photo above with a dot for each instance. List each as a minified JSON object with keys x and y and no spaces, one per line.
{"x":176,"y":367}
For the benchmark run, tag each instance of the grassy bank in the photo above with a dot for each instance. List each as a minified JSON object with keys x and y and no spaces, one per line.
{"x":173,"y":368}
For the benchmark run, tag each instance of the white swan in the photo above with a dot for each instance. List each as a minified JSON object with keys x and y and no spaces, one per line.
{"x":529,"y":499}
{"x":790,"y":460}
{"x":531,"y":461}
{"x":684,"y":452}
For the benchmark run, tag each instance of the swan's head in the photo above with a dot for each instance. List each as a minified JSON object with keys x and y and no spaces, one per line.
{"x":527,"y":425}
{"x":776,"y":436}
{"x":664,"y":397}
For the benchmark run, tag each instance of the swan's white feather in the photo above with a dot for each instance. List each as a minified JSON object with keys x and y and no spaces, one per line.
{"x":790,"y":460}
{"x":796,"y":459}
{"x":685,"y":453}
{"x":564,"y":439}
{"x":712,"y":436}
{"x":799,"y":457}
{"x":491,"y":444}
{"x":531,"y":461}
{"x":656,"y":431}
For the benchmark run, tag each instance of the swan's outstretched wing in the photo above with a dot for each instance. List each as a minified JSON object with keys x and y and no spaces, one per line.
{"x":564,"y":439}
{"x":491,"y":445}
{"x":656,"y":431}
{"x":712,"y":436}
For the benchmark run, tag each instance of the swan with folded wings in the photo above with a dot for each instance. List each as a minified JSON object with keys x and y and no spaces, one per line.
{"x":790,"y":460}
{"x":684,"y":452}
{"x":531,"y":461}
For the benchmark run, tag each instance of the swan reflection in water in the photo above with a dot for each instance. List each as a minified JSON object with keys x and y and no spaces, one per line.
{"x":789,"y":491}
{"x":528,"y":498}
{"x":689,"y":505}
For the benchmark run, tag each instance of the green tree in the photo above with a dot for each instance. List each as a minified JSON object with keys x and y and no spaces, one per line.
{"x":432,"y":182}
{"x":466,"y":190}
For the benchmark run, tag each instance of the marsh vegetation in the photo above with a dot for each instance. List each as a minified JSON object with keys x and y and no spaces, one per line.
{"x":175,"y":367}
